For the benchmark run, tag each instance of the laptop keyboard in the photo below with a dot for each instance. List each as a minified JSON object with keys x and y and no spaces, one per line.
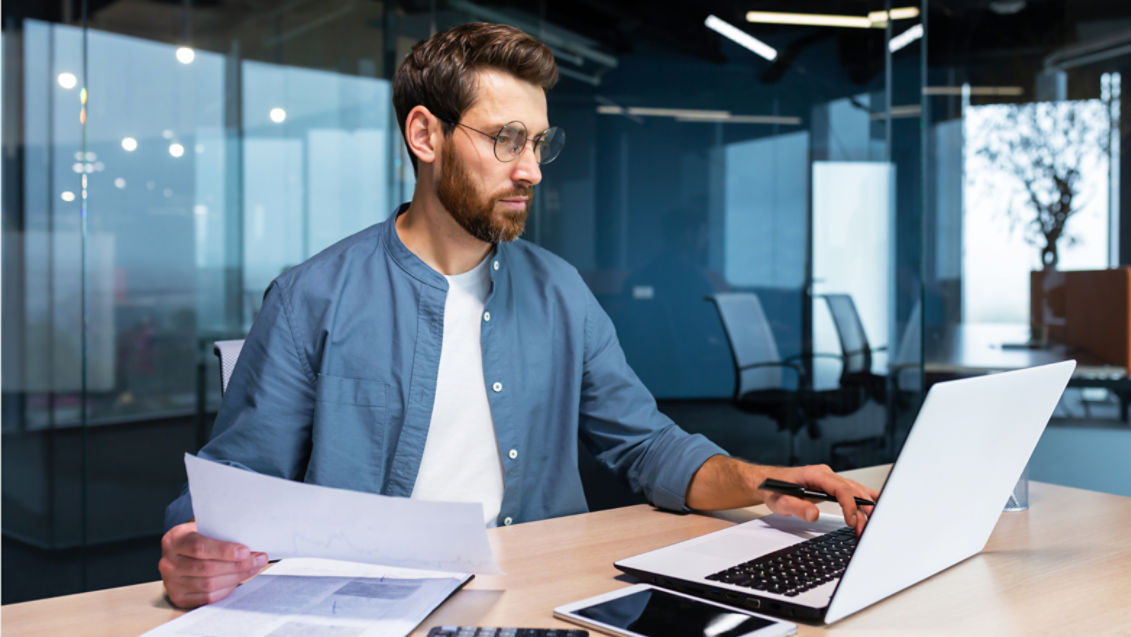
{"x":796,"y":568}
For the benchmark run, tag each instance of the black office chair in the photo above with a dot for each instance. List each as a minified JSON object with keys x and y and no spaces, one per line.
{"x":856,"y":374}
{"x":858,"y":383}
{"x":764,"y":383}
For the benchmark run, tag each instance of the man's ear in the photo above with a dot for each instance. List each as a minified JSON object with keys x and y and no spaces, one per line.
{"x":423,"y":134}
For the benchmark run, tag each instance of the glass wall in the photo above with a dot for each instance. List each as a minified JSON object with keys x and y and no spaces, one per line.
{"x":1026,"y":214}
{"x":165,"y":161}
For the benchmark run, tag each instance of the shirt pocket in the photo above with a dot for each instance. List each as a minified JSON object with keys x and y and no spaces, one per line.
{"x":348,"y":434}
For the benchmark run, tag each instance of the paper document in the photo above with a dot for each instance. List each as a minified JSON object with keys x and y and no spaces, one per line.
{"x":284,"y":518}
{"x":303,"y":597}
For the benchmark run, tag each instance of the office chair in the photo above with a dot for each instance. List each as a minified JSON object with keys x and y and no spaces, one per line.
{"x":227,"y":352}
{"x":858,"y":383}
{"x":760,"y":383}
{"x":856,"y":373}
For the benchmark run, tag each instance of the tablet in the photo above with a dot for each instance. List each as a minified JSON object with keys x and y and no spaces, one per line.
{"x":644,"y":610}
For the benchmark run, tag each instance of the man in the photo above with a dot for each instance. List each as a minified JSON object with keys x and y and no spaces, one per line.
{"x":435,"y":356}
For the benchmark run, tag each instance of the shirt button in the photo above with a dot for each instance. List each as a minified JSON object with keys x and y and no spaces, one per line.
{"x":507,"y":521}
{"x":495,"y":265}
{"x":497,"y":386}
{"x":512,"y":454}
{"x":486,"y":316}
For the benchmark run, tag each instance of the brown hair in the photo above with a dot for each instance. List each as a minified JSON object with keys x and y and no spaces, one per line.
{"x":438,"y":73}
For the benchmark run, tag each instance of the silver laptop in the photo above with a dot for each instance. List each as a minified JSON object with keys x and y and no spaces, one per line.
{"x":938,"y":507}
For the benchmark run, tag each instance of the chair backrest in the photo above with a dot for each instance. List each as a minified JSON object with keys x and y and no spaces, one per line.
{"x":850,"y":332}
{"x":751,"y":341}
{"x":910,"y":350}
{"x":227,"y":352}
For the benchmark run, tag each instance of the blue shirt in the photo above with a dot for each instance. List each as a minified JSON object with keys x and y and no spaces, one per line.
{"x":336,"y":380}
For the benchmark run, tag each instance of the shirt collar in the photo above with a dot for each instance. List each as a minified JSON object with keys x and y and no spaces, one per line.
{"x":420,"y":270}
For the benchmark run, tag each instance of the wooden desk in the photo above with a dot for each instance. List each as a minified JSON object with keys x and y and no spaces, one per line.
{"x":1063,"y":567}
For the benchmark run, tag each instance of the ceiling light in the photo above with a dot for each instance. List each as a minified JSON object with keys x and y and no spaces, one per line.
{"x":67,"y":80}
{"x":874,"y":20}
{"x":745,"y":119}
{"x":673,"y":112}
{"x":741,"y":37}
{"x":67,"y":196}
{"x":185,"y":55}
{"x":176,"y":150}
{"x":129,"y":144}
{"x":905,"y":38}
{"x":809,"y":19}
{"x":880,"y":18}
{"x":278,"y":115}
{"x":1013,"y":91}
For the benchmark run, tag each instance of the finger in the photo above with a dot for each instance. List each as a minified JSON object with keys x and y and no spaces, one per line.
{"x":789,"y":505}
{"x":202,"y":547}
{"x":861,"y":520}
{"x":182,"y":566}
{"x":195,"y":599}
{"x":846,"y":498}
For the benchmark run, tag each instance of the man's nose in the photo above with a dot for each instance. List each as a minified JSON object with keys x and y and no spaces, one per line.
{"x":526,"y":167}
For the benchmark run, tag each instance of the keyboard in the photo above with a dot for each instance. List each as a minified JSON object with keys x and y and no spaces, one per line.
{"x":796,"y":568}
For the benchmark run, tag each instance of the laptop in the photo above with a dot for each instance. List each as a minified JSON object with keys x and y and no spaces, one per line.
{"x":966,"y":450}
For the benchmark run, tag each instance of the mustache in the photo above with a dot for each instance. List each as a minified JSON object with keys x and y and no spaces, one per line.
{"x":517,"y":191}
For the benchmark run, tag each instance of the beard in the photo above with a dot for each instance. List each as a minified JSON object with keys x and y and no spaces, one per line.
{"x":474,"y":212}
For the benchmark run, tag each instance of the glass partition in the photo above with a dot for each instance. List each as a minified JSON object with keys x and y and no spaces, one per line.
{"x":219,"y":144}
{"x":1025,"y":217}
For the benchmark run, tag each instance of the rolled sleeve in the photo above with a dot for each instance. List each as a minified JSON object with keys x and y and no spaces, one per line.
{"x":266,"y":416}
{"x":624,"y":429}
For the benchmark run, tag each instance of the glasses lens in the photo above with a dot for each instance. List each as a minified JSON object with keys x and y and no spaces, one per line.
{"x":549,"y":144}
{"x":510,"y":141}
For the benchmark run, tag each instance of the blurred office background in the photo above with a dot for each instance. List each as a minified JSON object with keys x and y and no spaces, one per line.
{"x":891,"y":200}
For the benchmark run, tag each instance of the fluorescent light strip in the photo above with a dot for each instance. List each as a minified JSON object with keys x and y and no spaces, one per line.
{"x":674,"y":112}
{"x":907,"y":110}
{"x":905,"y":38}
{"x":809,"y":19}
{"x":874,"y":20}
{"x":902,"y":13}
{"x":974,"y":90}
{"x":693,"y":115}
{"x":744,"y":119}
{"x":741,"y":37}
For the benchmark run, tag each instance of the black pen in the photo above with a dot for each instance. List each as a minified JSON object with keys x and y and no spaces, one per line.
{"x":789,"y":488}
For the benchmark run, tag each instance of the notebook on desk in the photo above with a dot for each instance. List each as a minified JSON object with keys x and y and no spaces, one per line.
{"x":970,"y":442}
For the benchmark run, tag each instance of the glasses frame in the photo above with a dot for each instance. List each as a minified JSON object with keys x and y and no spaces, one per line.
{"x":525,"y":132}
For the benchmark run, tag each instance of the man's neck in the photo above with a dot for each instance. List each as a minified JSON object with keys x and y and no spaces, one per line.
{"x":430,"y":232}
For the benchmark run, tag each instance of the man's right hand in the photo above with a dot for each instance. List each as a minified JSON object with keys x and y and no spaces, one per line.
{"x":199,"y":570}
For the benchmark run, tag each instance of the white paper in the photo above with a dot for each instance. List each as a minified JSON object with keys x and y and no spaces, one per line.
{"x":303,"y":597}
{"x":284,"y":518}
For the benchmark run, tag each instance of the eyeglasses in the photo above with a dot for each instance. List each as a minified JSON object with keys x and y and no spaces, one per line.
{"x":511,"y":141}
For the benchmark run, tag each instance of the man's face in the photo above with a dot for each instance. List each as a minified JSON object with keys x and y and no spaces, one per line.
{"x":489,"y":198}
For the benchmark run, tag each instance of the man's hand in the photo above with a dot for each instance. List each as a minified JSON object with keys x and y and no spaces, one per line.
{"x":199,"y":570}
{"x":728,"y":483}
{"x":820,"y":477}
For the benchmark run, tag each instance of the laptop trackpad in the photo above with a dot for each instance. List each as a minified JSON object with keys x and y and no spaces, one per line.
{"x":749,"y":540}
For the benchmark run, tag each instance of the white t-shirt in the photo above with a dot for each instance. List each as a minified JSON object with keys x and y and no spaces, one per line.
{"x":461,"y":460}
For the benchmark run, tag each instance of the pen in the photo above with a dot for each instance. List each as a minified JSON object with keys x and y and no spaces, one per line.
{"x":789,"y":488}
